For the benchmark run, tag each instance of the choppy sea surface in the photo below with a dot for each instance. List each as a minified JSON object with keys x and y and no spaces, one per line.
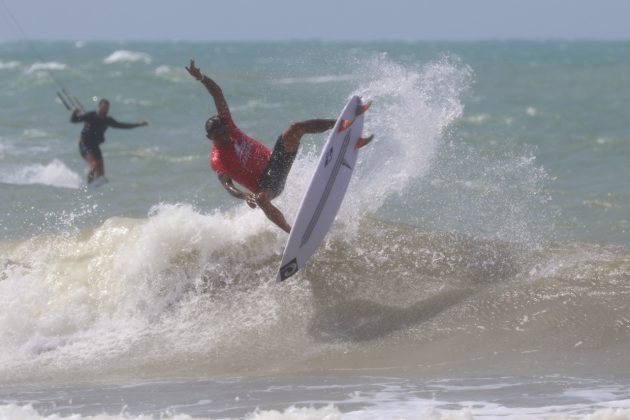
{"x":479,"y":266}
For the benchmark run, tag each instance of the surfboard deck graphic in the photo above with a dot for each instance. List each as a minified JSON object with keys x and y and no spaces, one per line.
{"x":327,"y":188}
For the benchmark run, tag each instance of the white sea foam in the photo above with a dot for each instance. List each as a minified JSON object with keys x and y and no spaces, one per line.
{"x":4,"y":149}
{"x":478,"y":118}
{"x":4,"y":65}
{"x":34,"y":133}
{"x":163,"y":70}
{"x":173,"y":74}
{"x":256,"y":104}
{"x":137,"y":270}
{"x":48,"y":66}
{"x":122,"y":56}
{"x":316,"y":79}
{"x":403,"y":410}
{"x":55,"y":174}
{"x":27,"y":412}
{"x":412,"y":109}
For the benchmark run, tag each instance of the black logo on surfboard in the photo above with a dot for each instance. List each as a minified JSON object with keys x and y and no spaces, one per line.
{"x":288,"y":269}
{"x":328,"y":156}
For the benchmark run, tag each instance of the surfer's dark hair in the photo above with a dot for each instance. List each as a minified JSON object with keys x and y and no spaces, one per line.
{"x":103,"y":101}
{"x":213,"y":123}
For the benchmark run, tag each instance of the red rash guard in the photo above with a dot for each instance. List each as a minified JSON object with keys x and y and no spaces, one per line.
{"x":244,"y":159}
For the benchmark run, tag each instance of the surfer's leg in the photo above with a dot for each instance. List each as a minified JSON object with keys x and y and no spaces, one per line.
{"x":277,"y":170}
{"x":94,"y":159}
{"x":100,"y":165}
{"x":89,"y":159}
{"x":100,"y":168}
{"x":291,"y":136}
{"x":92,"y":167}
{"x":263,"y":200}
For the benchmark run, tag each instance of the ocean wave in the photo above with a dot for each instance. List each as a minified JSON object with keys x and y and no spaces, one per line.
{"x":154,"y":153}
{"x":176,"y":74}
{"x":122,"y":56}
{"x":34,"y":133}
{"x":610,"y":141}
{"x":316,"y":79}
{"x":531,"y":111}
{"x":390,"y":403}
{"x":180,"y":286}
{"x":478,"y":118}
{"x":55,"y":174}
{"x":256,"y":104}
{"x":52,"y":65}
{"x":4,"y":149}
{"x":7,"y":65}
{"x":28,"y":412}
{"x":162,"y":70}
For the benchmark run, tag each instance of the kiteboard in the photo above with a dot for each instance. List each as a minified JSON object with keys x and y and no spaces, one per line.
{"x":327,"y":188}
{"x":98,"y":181}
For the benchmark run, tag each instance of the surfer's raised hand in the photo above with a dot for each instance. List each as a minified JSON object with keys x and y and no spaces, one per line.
{"x":194,"y":71}
{"x":213,"y":88}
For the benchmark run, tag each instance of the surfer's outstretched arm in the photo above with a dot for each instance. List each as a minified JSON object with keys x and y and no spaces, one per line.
{"x":212,"y":86}
{"x":229,"y":186}
{"x":116,"y":124}
{"x":262,"y":200}
{"x":76,"y":116}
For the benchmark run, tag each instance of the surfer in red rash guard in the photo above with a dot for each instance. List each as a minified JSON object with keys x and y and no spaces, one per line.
{"x":237,"y":157}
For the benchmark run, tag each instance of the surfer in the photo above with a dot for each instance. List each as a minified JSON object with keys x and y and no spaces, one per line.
{"x":93,"y":135}
{"x":237,"y":157}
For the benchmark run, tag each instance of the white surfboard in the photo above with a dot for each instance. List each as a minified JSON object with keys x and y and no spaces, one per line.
{"x":326,"y":190}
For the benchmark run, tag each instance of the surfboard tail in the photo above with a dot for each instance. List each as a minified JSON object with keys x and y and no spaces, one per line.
{"x":363,"y":107}
{"x":360,"y":109}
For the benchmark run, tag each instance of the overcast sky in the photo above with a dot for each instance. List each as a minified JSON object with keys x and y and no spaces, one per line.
{"x":210,"y":20}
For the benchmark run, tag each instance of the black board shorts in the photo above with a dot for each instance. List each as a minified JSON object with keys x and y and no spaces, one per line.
{"x":278,"y":167}
{"x":85,"y":150}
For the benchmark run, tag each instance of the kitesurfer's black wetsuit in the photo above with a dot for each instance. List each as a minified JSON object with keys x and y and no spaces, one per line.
{"x":93,"y":133}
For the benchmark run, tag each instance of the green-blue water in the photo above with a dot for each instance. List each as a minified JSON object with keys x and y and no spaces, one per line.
{"x":484,"y":234}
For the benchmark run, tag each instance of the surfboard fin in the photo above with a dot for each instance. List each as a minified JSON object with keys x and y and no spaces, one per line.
{"x":364,"y":141}
{"x":344,"y":125}
{"x":363,"y":107}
